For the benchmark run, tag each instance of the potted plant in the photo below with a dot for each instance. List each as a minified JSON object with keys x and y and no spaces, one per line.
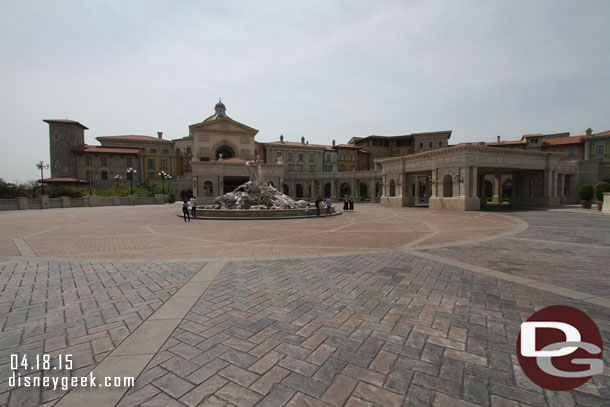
{"x":172,"y":197}
{"x":585,"y":192}
{"x":600,"y":188}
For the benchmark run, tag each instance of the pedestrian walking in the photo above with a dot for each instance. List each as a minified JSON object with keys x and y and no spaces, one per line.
{"x":351,"y":205}
{"x":185,"y":210}
{"x":345,"y":205}
{"x":194,"y":206}
{"x":318,"y":202}
{"x":328,"y":205}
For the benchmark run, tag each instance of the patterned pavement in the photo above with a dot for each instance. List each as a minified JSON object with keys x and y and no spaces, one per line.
{"x":333,"y":312}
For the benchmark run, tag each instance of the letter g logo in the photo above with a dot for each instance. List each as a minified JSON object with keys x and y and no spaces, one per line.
{"x":555,"y":343}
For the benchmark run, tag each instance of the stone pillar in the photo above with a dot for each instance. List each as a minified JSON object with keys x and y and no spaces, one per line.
{"x":464,"y":190}
{"x":606,"y":204}
{"x":116,"y":201}
{"x":65,"y":201}
{"x":474,"y":181}
{"x":555,"y":180}
{"x":416,"y":181}
{"x":332,"y":190}
{"x":497,"y":198}
{"x":434,"y":182}
{"x":44,"y":201}
{"x":428,"y":189}
{"x":22,"y":203}
{"x":132,"y":199}
{"x":371,"y":190}
{"x":547,"y":184}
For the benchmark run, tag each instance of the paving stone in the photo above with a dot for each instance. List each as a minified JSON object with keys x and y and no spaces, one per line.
{"x":377,"y":395}
{"x":475,"y":390}
{"x":173,"y":385}
{"x":279,"y":396}
{"x":237,"y":395}
{"x":305,"y":384}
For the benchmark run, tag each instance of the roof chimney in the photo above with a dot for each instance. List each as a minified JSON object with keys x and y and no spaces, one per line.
{"x":282,"y":138}
{"x":333,"y":143}
{"x":498,"y":139}
{"x":160,"y":134}
{"x":589,"y":131}
{"x":302,"y":140}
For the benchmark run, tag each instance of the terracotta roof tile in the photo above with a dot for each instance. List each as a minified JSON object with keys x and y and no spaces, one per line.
{"x":65,"y":121}
{"x":132,"y":137}
{"x":603,"y":133}
{"x":113,"y":150}
{"x":563,"y":140}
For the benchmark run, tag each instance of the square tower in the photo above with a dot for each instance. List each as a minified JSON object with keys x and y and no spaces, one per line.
{"x":65,"y":136}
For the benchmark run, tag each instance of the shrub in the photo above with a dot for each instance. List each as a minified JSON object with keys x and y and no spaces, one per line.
{"x":70,"y":191}
{"x":9,"y":190}
{"x":600,"y":188}
{"x":585,"y":192}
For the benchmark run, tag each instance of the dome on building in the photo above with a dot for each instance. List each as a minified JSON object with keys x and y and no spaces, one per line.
{"x":220,"y":109}
{"x":219,"y":105}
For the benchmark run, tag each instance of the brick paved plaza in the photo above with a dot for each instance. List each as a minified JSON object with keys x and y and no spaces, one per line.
{"x":382,"y":306}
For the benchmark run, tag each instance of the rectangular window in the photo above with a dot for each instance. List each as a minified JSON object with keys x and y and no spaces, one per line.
{"x":88,"y":175}
{"x":163,"y":164}
{"x":151,"y":175}
{"x":300,"y":168}
{"x":204,"y":138}
{"x":571,"y":151}
{"x":151,"y":163}
{"x":599,"y":149}
{"x":129,"y":162}
{"x":165,"y":151}
{"x":386,"y":143}
{"x":279,"y":155}
{"x":88,"y":161}
{"x":300,"y":156}
{"x":104,"y":174}
{"x":104,"y":162}
{"x":310,"y":157}
{"x":312,"y":168}
{"x":328,"y":168}
{"x":289,"y":156}
{"x":290,"y":168}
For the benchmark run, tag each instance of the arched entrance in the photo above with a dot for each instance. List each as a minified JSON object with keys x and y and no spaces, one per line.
{"x":286,"y":189}
{"x":364,"y":190}
{"x":327,"y":190}
{"x":208,"y":189}
{"x":299,"y":190}
{"x":392,"y":187}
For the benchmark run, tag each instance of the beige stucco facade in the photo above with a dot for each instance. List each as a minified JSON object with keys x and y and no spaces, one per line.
{"x":456,"y":178}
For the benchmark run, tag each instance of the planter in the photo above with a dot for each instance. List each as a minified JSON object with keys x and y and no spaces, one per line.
{"x":585,"y":204}
{"x":599,"y":205}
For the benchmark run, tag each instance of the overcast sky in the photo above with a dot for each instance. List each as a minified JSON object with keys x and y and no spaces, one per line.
{"x":320,"y":69}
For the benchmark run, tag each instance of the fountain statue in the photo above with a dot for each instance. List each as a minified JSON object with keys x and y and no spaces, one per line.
{"x":256,"y":194}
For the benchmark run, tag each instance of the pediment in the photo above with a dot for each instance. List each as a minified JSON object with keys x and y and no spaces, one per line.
{"x":224,"y":124}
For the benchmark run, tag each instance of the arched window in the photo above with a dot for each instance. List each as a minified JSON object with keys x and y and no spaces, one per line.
{"x":447,"y":186}
{"x":421,"y":146}
{"x":392,"y":188}
{"x":440,"y":144}
{"x":345,"y":190}
{"x":226,"y":151}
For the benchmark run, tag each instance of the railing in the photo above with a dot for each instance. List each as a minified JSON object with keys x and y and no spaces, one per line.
{"x":8,"y":204}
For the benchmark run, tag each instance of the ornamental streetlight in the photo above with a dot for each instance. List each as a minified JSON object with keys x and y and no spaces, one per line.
{"x":164,"y":176}
{"x":117,"y":178}
{"x":130,"y":172}
{"x":42,"y":166}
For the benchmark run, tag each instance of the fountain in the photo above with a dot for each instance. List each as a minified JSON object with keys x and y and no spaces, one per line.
{"x":255,"y":199}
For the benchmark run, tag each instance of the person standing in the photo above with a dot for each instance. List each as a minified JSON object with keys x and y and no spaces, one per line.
{"x":346,"y":205}
{"x":328,"y":205}
{"x":185,"y":210}
{"x":351,"y":205}
{"x":318,"y":201}
{"x":194,"y":206}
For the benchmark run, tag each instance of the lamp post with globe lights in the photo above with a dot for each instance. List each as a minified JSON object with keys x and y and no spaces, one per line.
{"x":164,"y":176}
{"x":42,"y":166}
{"x":130,"y":173}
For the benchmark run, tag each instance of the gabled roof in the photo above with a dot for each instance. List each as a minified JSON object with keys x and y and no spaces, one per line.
{"x":219,"y":118}
{"x":65,"y":121}
{"x":563,"y":140}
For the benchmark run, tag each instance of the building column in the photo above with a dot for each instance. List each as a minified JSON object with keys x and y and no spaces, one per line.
{"x":465,"y":175}
{"x":434,"y":182}
{"x":555,"y":182}
{"x":547,"y":184}
{"x":497,"y":198}
{"x":428,"y":189}
{"x":352,"y":192}
{"x":371,"y":190}
{"x":474,"y":178}
{"x":416,"y":181}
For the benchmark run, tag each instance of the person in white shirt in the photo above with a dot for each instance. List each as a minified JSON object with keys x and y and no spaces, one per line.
{"x":194,"y":206}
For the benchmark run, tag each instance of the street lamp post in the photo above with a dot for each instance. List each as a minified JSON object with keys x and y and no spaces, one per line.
{"x":42,"y":166}
{"x":131,"y":172}
{"x":164,"y":176}
{"x":117,"y":178}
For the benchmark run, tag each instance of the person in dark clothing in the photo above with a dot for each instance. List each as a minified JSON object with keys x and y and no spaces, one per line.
{"x":318,"y":206}
{"x":185,"y":210}
{"x":351,"y":205}
{"x":345,"y":205}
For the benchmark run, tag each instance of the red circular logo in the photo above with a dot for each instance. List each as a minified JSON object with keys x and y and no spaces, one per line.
{"x":559,"y":348}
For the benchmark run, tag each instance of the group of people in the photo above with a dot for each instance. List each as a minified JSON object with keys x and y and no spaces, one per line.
{"x":348,"y":205}
{"x":185,"y":208}
{"x":320,"y":203}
